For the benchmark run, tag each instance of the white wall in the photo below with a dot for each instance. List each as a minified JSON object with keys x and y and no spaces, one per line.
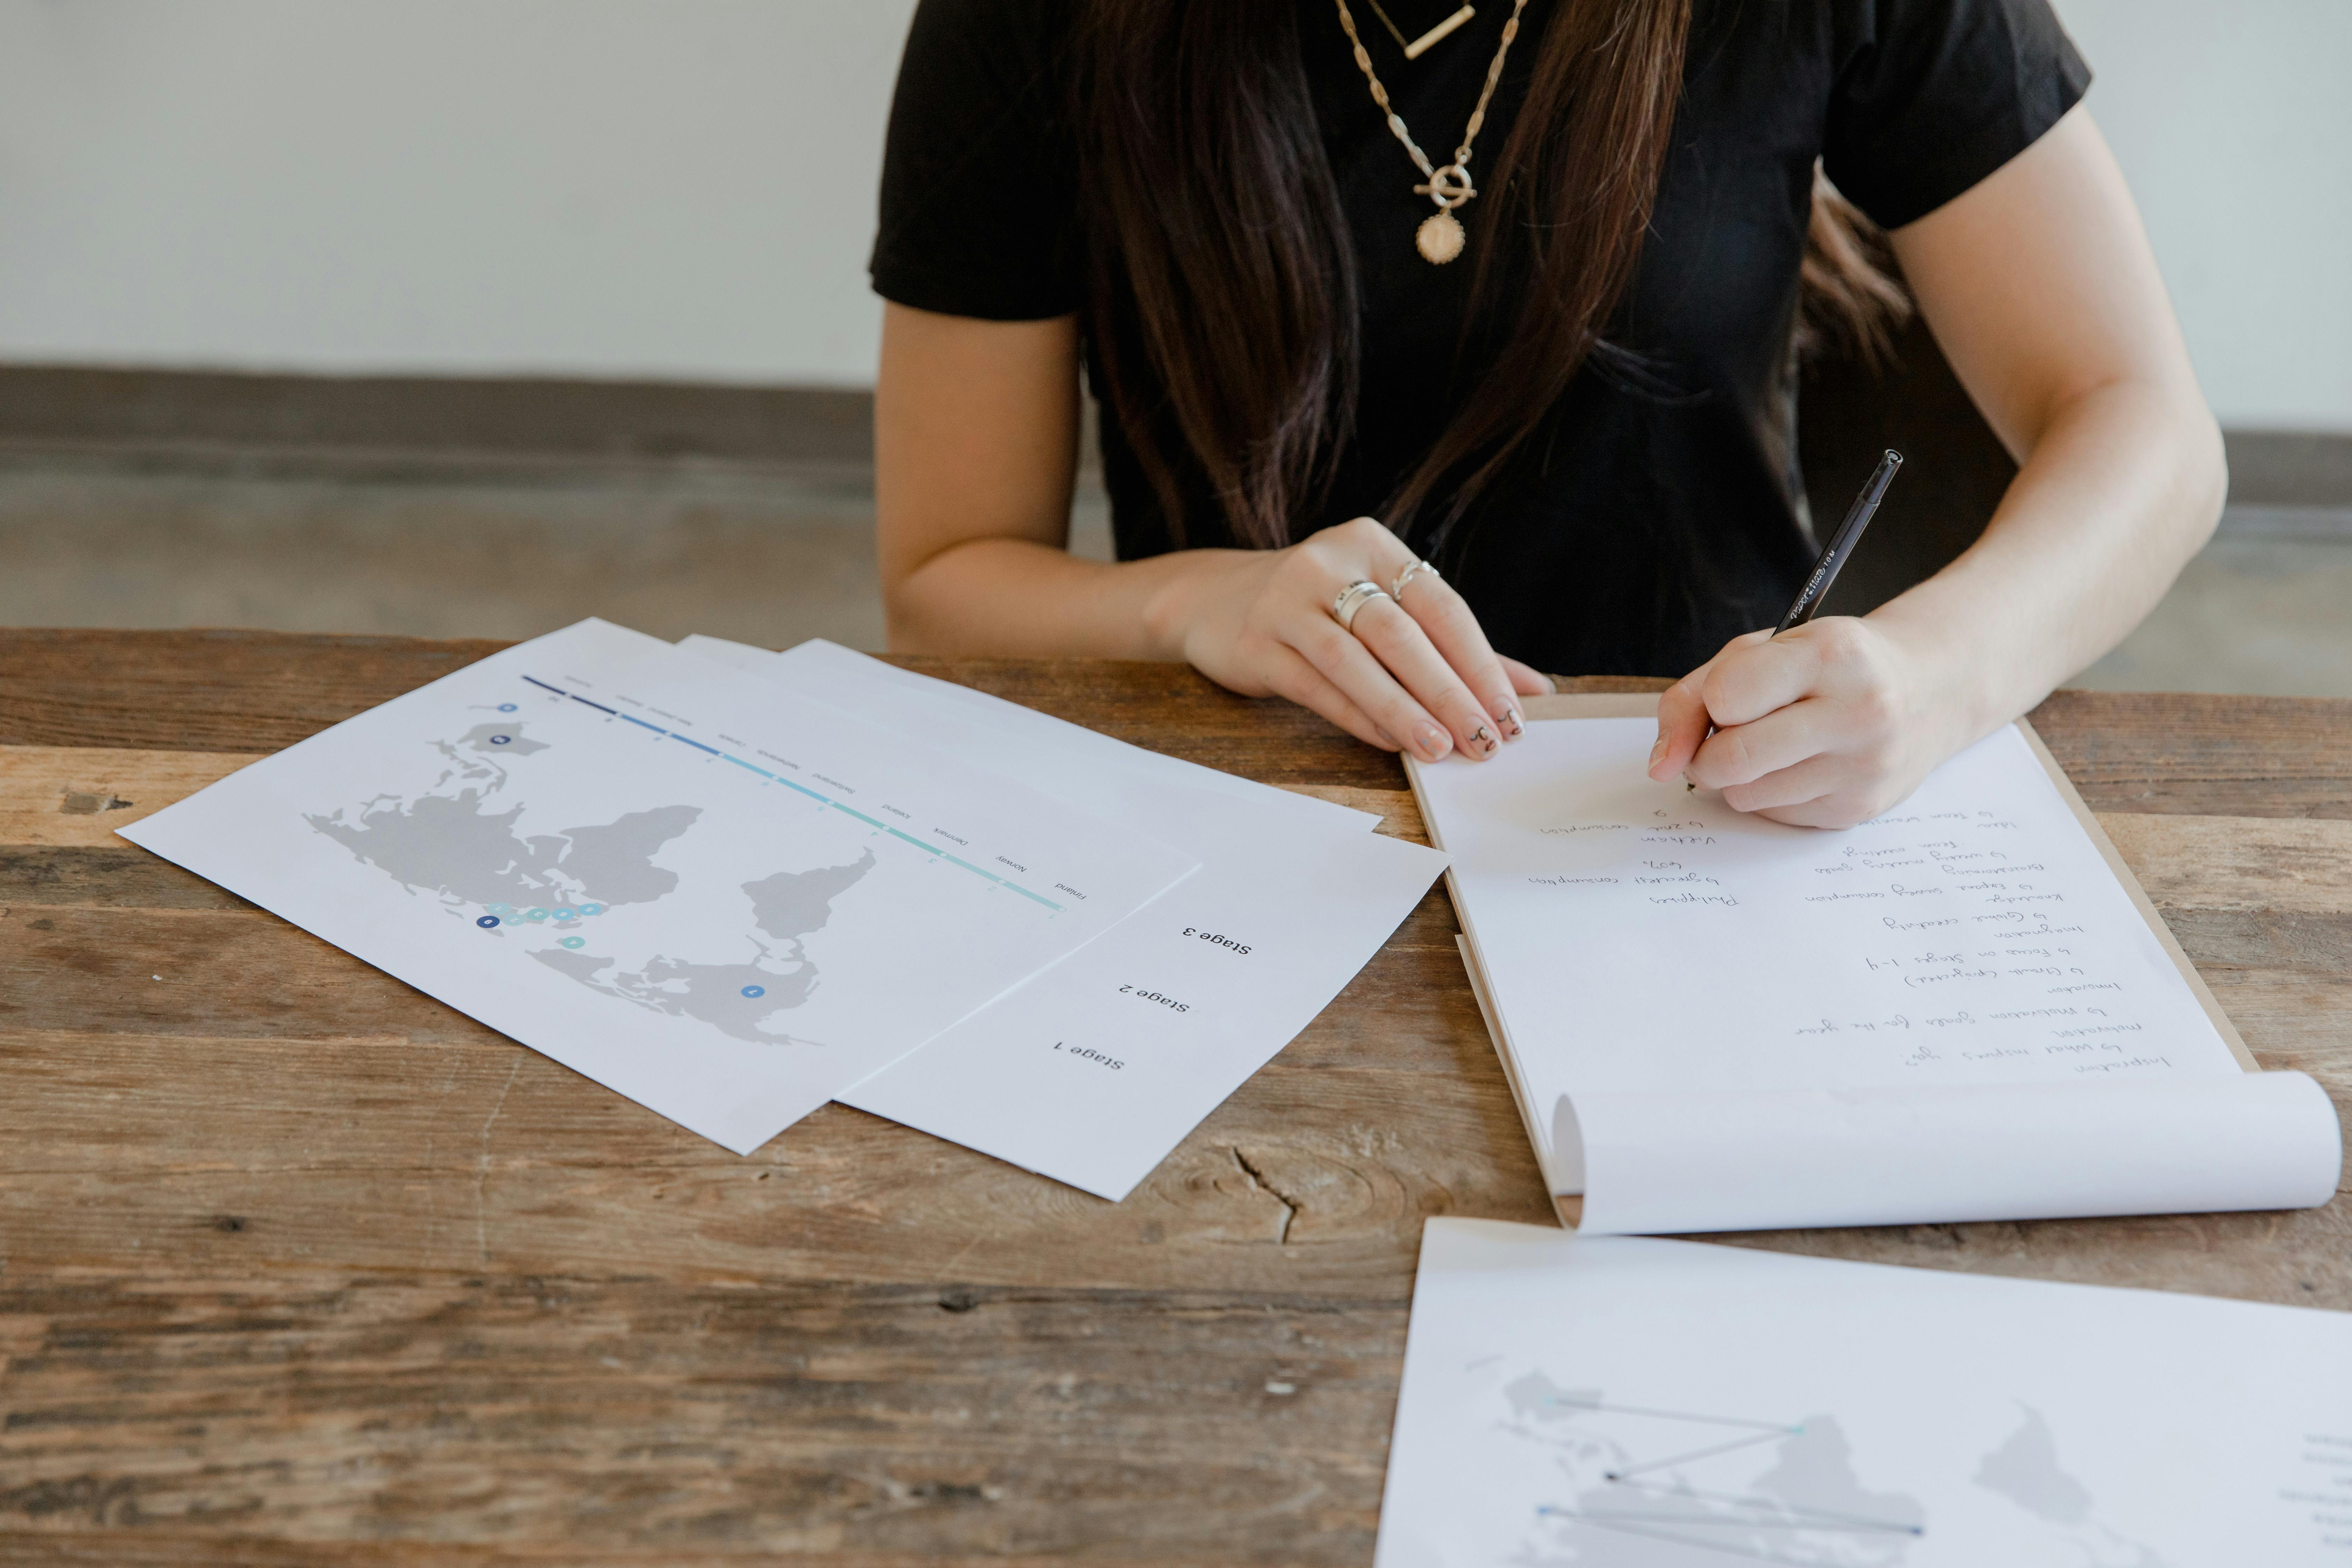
{"x":591,"y":187}
{"x":685,"y":188}
{"x":2233,"y":123}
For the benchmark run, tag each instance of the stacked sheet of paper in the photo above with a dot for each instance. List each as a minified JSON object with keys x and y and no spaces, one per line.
{"x":1098,"y":1067}
{"x":1611,"y":1400}
{"x":1965,"y":1009}
{"x":733,"y":897}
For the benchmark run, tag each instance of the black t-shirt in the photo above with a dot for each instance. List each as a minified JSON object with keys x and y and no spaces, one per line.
{"x":1659,"y":510}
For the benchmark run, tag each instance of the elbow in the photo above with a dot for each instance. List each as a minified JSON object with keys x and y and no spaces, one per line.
{"x":2204,"y":476}
{"x":906,"y":625}
{"x":919,"y":600}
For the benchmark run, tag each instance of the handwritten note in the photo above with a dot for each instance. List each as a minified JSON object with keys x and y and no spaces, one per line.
{"x":1713,"y":1021}
{"x":1644,"y":936}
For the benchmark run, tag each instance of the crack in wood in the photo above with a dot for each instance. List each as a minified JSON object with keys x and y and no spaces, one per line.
{"x":1291,"y":1206}
{"x":79,"y":804}
{"x":482,"y":1163}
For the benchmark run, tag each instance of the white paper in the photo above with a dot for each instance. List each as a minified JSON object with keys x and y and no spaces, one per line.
{"x":1671,"y":1404}
{"x":1663,"y":1164}
{"x":1050,"y":755}
{"x":723,"y":902}
{"x":1096,"y":1069}
{"x":1762,"y":1026}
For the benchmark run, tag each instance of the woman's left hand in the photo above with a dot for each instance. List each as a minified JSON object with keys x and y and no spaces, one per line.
{"x":1824,"y":726}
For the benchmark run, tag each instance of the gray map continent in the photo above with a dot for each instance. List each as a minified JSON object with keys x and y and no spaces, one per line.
{"x":614,"y":863}
{"x":1534,"y":1397}
{"x":2025,"y":1470}
{"x":1814,"y":1477}
{"x":790,"y":905}
{"x":787,"y":906}
{"x":479,"y":739}
{"x":712,"y":993}
{"x":1808,"y":1506}
{"x":449,"y":845}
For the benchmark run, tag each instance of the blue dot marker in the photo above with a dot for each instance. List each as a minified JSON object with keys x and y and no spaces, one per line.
{"x":591,"y":909}
{"x":564,"y":914}
{"x":501,"y":739}
{"x":534,"y":914}
{"x":506,"y":707}
{"x":486,"y":921}
{"x":755,"y":991}
{"x":573,"y":941}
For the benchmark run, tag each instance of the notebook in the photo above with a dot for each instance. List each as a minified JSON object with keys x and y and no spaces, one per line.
{"x":1965,"y":1009}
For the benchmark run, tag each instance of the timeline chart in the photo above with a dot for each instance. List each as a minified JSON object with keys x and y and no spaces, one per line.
{"x":1004,"y":882}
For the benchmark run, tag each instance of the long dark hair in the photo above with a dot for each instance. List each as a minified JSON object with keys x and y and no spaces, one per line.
{"x":1214,"y":228}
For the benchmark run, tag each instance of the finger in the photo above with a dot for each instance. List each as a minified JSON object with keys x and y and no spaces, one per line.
{"x":1404,"y":648}
{"x":1302,"y":683}
{"x":1810,"y":779}
{"x":1453,"y":629}
{"x":1759,"y":673}
{"x":1348,"y":665}
{"x":1833,"y":811}
{"x":1824,"y":812}
{"x":1744,"y":753}
{"x":1682,"y":726}
{"x":1527,"y":679}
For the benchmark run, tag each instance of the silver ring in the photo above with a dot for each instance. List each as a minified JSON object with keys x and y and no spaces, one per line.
{"x":1353,"y":598}
{"x":1396,"y":591}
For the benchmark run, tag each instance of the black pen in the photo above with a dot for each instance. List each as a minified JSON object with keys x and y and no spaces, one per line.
{"x":1817,"y":586}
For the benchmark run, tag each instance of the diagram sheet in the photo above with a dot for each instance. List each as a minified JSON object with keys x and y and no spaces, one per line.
{"x":1955,"y":1011}
{"x":1674,"y":1404}
{"x":721,"y":901}
{"x":1096,"y":1069}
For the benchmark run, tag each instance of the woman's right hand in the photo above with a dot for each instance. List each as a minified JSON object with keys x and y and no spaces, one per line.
{"x":1415,"y":674}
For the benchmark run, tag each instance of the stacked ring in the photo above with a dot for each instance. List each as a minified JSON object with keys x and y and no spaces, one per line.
{"x":1408,"y":574}
{"x":1353,"y":598}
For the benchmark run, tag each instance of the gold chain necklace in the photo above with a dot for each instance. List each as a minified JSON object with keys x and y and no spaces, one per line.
{"x":1440,"y":237}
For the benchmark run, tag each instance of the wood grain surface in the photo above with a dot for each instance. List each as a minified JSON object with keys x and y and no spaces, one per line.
{"x":298,"y":1266}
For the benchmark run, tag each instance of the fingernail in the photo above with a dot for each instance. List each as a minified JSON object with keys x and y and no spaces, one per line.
{"x":1657,"y":750}
{"x":1512,"y":727}
{"x":1482,"y":740}
{"x":1433,"y":741}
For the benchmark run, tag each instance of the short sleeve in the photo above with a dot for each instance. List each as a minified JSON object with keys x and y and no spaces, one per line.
{"x":1931,"y":95}
{"x":979,"y":171}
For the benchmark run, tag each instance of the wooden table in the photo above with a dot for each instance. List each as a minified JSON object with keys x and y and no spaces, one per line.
{"x":301,"y":1267}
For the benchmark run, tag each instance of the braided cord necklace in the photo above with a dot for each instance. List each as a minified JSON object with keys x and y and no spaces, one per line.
{"x":1440,"y":237}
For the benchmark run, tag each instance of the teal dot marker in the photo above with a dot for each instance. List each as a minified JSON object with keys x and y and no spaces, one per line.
{"x":498,"y":909}
{"x":565,"y":913}
{"x":534,"y":914}
{"x":591,"y":909}
{"x":573,"y":941}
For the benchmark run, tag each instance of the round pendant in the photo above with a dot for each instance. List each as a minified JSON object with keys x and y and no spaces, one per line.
{"x":1439,"y":238}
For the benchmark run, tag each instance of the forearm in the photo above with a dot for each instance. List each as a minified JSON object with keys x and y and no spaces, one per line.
{"x":1017,"y":597}
{"x":2121,"y":488}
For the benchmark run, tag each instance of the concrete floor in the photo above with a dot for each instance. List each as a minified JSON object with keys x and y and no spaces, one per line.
{"x":2266,"y":608}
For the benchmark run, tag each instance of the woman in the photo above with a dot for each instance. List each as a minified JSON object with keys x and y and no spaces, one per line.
{"x":1538,"y":321}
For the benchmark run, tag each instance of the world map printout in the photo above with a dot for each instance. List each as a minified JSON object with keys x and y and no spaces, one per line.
{"x":724,"y":901}
{"x":1094,"y":1070}
{"x":1638,"y":1403}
